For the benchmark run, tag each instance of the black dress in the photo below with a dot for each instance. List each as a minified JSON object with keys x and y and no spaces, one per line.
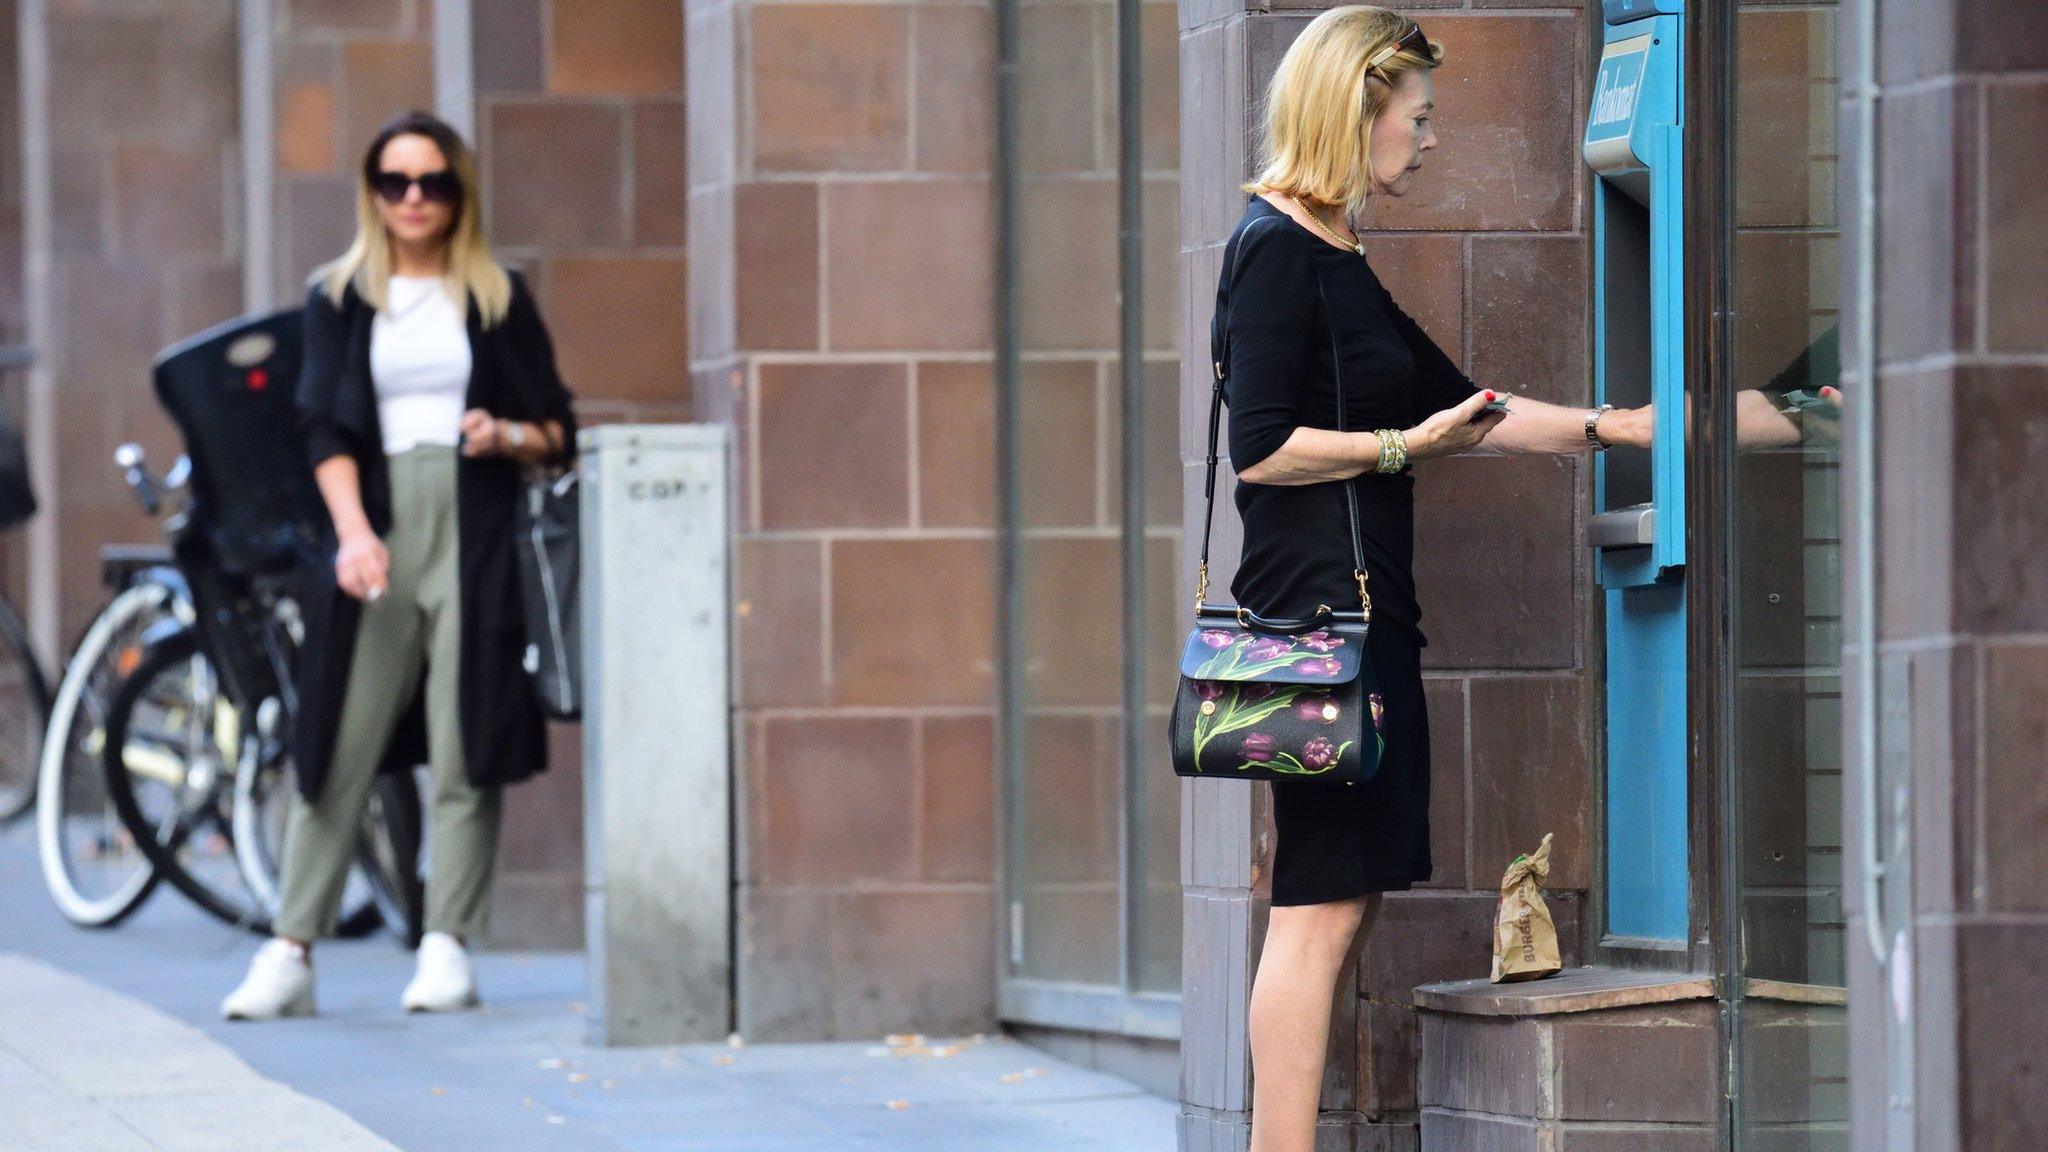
{"x":1299,"y":310}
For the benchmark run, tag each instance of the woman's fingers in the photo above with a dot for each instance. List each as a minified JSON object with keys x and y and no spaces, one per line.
{"x":1470,"y":406}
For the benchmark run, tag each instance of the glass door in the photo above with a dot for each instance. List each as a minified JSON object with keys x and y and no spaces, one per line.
{"x":1784,"y":535}
{"x":1091,"y":524}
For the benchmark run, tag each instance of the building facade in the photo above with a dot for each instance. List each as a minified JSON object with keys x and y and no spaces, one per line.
{"x":945,"y":269}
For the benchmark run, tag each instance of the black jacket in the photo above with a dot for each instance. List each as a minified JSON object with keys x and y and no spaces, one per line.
{"x":513,"y":375}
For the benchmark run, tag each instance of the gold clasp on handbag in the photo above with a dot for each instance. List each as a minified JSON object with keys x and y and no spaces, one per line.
{"x":1201,"y":586}
{"x":1364,"y":598}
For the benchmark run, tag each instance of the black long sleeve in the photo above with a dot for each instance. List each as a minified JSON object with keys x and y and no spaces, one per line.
{"x":322,"y":342}
{"x":1438,"y":382}
{"x":1312,"y":333}
{"x":530,"y":335}
{"x":1272,"y":323}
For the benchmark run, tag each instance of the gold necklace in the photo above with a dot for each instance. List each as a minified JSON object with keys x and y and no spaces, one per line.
{"x":1354,"y":244}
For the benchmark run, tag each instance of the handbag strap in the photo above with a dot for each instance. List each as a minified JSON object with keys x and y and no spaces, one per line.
{"x":1219,"y":358}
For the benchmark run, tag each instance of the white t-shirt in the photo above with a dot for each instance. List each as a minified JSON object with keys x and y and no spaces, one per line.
{"x":419,"y":364}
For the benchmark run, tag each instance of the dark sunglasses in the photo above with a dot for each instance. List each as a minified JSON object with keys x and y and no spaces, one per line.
{"x":435,"y":187}
{"x":1411,"y":41}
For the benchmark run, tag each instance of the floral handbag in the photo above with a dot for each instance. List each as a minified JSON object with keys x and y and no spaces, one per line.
{"x":1274,"y":699}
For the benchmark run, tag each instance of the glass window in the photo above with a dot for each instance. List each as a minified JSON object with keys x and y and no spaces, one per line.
{"x":1091,"y":527}
{"x":1786,"y":536}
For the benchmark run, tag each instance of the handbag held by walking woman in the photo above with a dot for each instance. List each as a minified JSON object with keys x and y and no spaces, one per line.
{"x":550,"y":575}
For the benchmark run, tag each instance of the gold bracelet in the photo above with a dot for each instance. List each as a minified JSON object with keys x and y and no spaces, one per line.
{"x":1393,"y":450}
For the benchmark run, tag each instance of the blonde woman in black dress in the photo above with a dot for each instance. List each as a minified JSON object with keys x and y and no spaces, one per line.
{"x":1347,"y":119}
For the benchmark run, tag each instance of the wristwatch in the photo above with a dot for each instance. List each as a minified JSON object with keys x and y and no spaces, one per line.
{"x":515,"y":433}
{"x":1592,"y":426}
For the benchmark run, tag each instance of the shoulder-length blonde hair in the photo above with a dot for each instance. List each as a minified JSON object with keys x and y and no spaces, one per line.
{"x":1317,"y":142}
{"x":474,"y":275}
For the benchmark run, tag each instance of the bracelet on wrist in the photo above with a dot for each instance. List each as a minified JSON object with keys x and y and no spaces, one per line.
{"x":1393,"y":451}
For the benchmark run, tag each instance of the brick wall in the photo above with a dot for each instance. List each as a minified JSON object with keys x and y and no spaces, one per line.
{"x":144,"y":249}
{"x":1961,"y":571}
{"x":1490,"y":254}
{"x":340,"y":69}
{"x":840,"y":302}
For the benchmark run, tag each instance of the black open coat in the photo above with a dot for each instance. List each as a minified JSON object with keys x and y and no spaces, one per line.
{"x":513,"y":376}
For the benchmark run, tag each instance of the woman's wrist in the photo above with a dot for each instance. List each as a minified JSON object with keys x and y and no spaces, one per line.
{"x":1628,"y":427}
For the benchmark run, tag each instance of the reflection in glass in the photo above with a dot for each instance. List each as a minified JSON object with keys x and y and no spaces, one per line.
{"x":1787,"y":585}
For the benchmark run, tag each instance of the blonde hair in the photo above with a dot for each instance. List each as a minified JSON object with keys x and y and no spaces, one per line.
{"x":473,"y":276}
{"x":1317,"y":142}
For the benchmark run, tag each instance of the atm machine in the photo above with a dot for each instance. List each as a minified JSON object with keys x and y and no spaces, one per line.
{"x":1633,"y":145}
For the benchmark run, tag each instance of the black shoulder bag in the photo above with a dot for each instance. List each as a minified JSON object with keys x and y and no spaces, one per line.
{"x":550,"y":576}
{"x":1266,"y":699}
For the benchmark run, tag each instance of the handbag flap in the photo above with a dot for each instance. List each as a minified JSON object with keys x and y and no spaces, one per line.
{"x":1229,"y":652}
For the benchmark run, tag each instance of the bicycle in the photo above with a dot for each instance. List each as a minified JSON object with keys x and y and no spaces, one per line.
{"x":95,"y":872}
{"x":216,"y":697}
{"x":24,"y":687}
{"x":198,"y":725}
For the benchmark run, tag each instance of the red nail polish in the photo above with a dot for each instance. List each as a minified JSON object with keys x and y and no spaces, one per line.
{"x":1489,"y":396}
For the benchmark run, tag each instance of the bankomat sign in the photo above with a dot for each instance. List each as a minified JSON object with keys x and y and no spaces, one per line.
{"x":1617,"y":88}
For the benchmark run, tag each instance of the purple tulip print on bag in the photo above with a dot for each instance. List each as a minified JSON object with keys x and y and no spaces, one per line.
{"x":1254,"y":705}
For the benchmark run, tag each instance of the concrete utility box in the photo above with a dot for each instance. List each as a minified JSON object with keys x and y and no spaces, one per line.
{"x":657,"y":743}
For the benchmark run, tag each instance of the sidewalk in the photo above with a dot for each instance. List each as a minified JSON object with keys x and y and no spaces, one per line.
{"x":139,"y":1001}
{"x":86,"y":1070}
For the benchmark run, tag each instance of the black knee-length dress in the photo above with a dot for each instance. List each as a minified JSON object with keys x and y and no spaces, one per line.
{"x":1298,"y":311}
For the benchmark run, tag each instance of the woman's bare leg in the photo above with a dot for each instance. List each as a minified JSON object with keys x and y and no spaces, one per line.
{"x":1308,"y":948}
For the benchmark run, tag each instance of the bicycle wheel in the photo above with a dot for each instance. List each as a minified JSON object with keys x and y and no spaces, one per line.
{"x":172,"y":740}
{"x":24,"y":709}
{"x":94,"y":871}
{"x":262,"y":803}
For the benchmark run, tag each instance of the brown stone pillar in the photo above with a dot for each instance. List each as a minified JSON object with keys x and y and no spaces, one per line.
{"x":1952,"y":358}
{"x":840,"y":300}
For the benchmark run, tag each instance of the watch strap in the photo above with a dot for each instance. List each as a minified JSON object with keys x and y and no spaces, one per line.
{"x":1593,"y":425}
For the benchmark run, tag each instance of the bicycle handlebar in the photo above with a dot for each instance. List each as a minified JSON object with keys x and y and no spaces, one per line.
{"x":149,"y":491}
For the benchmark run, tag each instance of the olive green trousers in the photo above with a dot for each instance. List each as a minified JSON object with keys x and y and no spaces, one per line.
{"x":414,"y":629}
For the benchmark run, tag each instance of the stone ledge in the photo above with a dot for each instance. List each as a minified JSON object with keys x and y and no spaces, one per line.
{"x":1573,"y":990}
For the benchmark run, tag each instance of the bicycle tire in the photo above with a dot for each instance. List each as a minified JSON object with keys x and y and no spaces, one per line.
{"x":72,"y":772}
{"x":24,"y":715}
{"x":163,"y":837}
{"x":257,"y":781}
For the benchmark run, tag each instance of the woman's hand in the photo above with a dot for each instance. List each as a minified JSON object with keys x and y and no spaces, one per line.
{"x":482,"y":434}
{"x":1453,"y":430}
{"x":362,"y":566}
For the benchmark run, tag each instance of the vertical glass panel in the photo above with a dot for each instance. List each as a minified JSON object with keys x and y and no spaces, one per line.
{"x":1153,"y":788}
{"x":1068,"y":889}
{"x":1096,"y":841}
{"x":1787,"y":587}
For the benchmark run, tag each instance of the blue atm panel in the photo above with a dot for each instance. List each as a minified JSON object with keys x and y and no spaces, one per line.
{"x":1634,"y":131}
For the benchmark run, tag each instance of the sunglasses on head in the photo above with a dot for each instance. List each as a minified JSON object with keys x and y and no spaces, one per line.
{"x":435,"y":187}
{"x":1411,"y":41}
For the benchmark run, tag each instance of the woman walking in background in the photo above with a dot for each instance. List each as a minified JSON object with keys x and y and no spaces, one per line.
{"x":1347,"y":119}
{"x":429,"y":382}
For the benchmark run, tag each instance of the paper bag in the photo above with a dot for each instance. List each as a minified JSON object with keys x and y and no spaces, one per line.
{"x":1524,"y":939}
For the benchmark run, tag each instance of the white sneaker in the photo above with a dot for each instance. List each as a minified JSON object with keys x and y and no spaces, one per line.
{"x":279,"y":984}
{"x":443,"y":981}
